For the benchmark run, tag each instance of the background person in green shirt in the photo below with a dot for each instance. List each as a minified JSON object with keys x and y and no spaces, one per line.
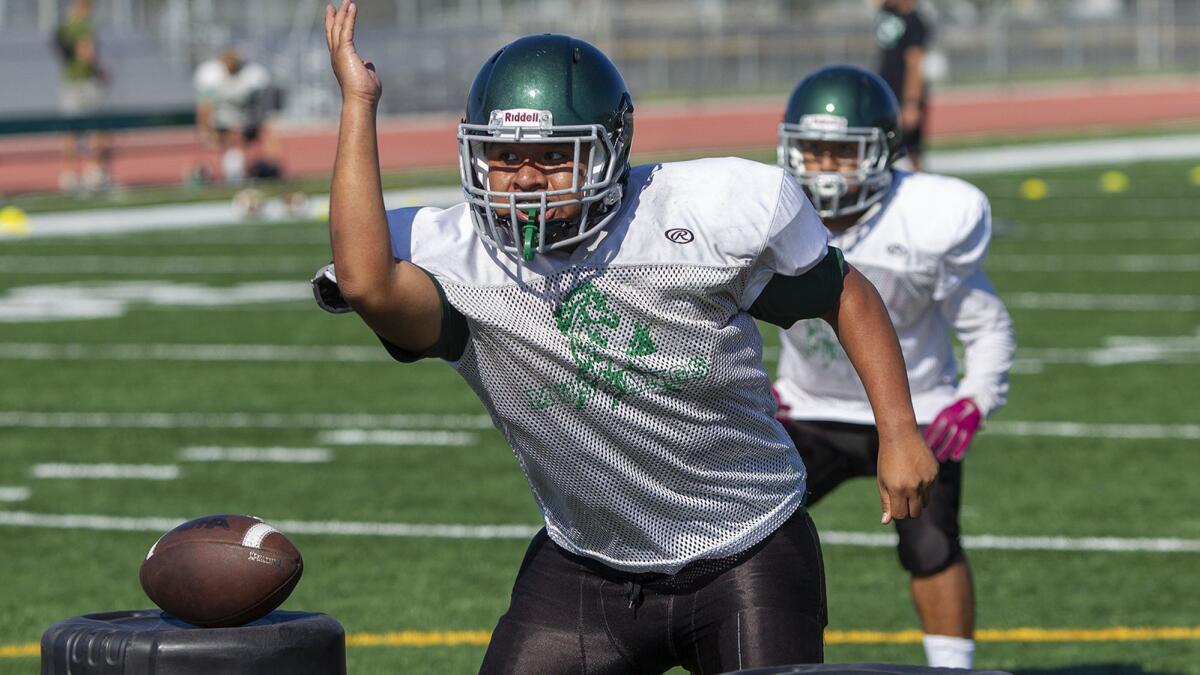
{"x":86,"y":156}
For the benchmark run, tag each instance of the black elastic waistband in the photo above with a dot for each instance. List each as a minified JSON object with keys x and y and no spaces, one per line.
{"x":691,"y":577}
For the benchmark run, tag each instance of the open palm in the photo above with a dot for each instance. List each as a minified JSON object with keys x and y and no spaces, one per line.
{"x":357,"y":77}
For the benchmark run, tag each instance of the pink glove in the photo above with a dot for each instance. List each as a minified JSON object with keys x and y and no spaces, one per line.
{"x":952,"y":430}
{"x":781,"y":408}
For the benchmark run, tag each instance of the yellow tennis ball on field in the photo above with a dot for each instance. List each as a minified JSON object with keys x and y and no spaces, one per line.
{"x":1113,"y":182}
{"x":1034,"y":189}
{"x":1194,"y":175}
{"x":13,"y":221}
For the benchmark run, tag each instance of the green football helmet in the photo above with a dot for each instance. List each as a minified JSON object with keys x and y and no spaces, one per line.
{"x":547,"y":89}
{"x":842,"y":104}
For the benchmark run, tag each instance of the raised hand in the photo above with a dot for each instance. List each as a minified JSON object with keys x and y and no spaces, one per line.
{"x":952,"y":430}
{"x":357,"y":77}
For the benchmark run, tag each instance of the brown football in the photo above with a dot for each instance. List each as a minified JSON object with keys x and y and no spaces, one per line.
{"x":221,"y":570}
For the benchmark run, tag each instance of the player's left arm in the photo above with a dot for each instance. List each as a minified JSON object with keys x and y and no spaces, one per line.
{"x":979,"y":319}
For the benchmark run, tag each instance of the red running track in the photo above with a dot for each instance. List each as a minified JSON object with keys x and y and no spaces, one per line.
{"x":160,"y":157}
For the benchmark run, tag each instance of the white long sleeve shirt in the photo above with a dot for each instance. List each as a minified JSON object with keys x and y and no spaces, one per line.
{"x":922,"y":247}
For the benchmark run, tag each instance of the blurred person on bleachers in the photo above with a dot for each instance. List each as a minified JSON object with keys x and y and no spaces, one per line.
{"x":904,"y":35}
{"x":234,"y":101}
{"x":86,"y":156}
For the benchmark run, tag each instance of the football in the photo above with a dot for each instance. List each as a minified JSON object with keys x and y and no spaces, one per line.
{"x":221,"y":570}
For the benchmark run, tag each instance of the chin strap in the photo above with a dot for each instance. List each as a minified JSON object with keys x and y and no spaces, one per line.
{"x":528,"y":232}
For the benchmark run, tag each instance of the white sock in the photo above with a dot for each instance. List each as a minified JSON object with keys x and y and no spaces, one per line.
{"x":233,"y":165}
{"x":943,"y":651}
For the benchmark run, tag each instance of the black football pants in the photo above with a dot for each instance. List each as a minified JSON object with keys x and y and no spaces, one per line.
{"x":572,"y":615}
{"x":835,"y":452}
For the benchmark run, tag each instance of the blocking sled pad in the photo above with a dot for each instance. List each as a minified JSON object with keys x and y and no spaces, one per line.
{"x":150,"y":642}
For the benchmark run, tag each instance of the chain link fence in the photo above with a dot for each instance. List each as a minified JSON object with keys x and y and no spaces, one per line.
{"x":428,"y":50}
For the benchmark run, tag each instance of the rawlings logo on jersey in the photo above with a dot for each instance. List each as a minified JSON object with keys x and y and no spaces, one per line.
{"x":604,"y":363}
{"x":823,"y":122}
{"x":521,"y":117}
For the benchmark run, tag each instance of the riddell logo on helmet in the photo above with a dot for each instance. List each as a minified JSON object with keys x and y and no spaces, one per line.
{"x":521,"y":117}
{"x":824,"y":122}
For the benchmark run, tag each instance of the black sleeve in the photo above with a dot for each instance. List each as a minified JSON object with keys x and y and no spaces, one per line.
{"x":786,"y":300}
{"x":452,"y":341}
{"x":915,"y":32}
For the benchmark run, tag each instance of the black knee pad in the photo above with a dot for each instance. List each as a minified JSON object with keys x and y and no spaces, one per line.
{"x":926,"y":549}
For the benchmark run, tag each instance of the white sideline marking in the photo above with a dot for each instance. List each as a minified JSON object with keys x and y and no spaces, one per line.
{"x":1066,"y":153}
{"x":14,"y":493}
{"x":455,"y":422}
{"x":1103,"y":302}
{"x":393,"y":437}
{"x":456,"y":531}
{"x":1093,"y":263}
{"x":107,"y":471}
{"x":186,"y":216}
{"x":208,"y":453}
{"x":43,"y":351}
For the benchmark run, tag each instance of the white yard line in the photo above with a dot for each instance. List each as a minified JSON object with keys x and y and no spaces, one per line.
{"x":119,"y":265}
{"x":41,"y":351}
{"x":459,"y":422}
{"x":122,"y":265}
{"x":1108,"y":264}
{"x":210,"y":453}
{"x":1103,"y":302}
{"x":14,"y":493}
{"x":157,"y":420}
{"x":1138,"y":230}
{"x":1118,"y":350}
{"x":106,"y":471}
{"x":522,"y":532}
{"x":395,"y":437}
{"x":1106,"y":431}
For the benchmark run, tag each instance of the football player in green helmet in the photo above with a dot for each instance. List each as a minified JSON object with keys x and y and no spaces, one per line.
{"x":605,"y":316}
{"x":570,"y":116}
{"x":920,"y":238}
{"x":844,"y":118}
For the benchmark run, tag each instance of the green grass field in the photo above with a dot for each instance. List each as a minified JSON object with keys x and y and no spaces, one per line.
{"x":1088,"y":355}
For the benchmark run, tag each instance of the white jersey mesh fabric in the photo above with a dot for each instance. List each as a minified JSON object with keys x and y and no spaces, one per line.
{"x":626,"y":376}
{"x":922,"y":243}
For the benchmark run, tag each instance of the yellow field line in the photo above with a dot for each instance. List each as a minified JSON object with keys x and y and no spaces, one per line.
{"x":419,"y":638}
{"x":18,"y":651}
{"x":415,"y":638}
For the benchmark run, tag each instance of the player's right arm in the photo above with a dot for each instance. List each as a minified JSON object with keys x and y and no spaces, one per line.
{"x":396,"y":299}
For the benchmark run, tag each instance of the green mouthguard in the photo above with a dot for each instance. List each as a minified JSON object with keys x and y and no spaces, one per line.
{"x":529,"y":231}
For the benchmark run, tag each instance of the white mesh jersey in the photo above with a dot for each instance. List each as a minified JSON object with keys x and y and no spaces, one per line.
{"x":626,"y":375}
{"x":922,"y":247}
